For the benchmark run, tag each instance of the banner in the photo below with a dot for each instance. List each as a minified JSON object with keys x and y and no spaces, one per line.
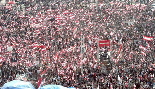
{"x":103,"y":43}
{"x":148,"y":38}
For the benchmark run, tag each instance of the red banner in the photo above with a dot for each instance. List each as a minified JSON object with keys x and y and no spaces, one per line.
{"x":103,"y":43}
{"x":148,"y":38}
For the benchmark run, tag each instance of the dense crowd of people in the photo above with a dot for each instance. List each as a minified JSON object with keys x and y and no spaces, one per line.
{"x":58,"y":41}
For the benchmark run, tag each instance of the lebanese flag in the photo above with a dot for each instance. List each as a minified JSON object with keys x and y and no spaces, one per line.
{"x":1,"y":59}
{"x":115,"y":60}
{"x":34,"y":45}
{"x":103,"y":43}
{"x":143,"y":53}
{"x":43,"y":72}
{"x":59,"y":17}
{"x":143,"y":48}
{"x":40,"y":80}
{"x":11,"y":2}
{"x":148,"y":38}
{"x":44,"y":49}
{"x":66,"y":12}
{"x":8,"y":7}
{"x":41,"y":46}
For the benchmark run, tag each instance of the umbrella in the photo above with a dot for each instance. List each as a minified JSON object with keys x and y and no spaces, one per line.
{"x":53,"y":87}
{"x":17,"y":84}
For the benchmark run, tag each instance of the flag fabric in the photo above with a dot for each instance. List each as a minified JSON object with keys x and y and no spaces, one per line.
{"x":143,"y":48}
{"x":8,"y":7}
{"x":148,"y":38}
{"x":120,"y":49}
{"x":11,"y":2}
{"x":39,"y":82}
{"x":66,"y":12}
{"x":41,"y":46}
{"x":115,"y":60}
{"x":1,"y":59}
{"x":41,"y":79}
{"x":143,"y":53}
{"x":142,"y":59}
{"x":43,"y":72}
{"x":103,"y":43}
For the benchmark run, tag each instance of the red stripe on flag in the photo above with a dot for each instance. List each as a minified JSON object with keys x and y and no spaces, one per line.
{"x":103,"y":43}
{"x":39,"y":82}
{"x":40,"y":79}
{"x":143,"y":48}
{"x":11,"y":2}
{"x":148,"y":38}
{"x":41,"y":46}
{"x":44,"y":72}
{"x":143,"y":53}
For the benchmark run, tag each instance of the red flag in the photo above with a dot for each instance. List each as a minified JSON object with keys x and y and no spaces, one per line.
{"x":41,"y":46}
{"x":43,"y":72}
{"x":143,"y":53}
{"x":34,"y":45}
{"x":11,"y":2}
{"x":39,"y":82}
{"x":143,"y":48}
{"x":40,"y":79}
{"x":148,"y":38}
{"x":59,"y":17}
{"x":8,"y":7}
{"x":1,"y":59}
{"x":103,"y":43}
{"x":66,"y":12}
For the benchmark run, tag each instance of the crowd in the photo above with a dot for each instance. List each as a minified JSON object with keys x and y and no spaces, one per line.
{"x":62,"y":37}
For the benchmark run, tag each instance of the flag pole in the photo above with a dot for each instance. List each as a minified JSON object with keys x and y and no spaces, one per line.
{"x":98,"y":57}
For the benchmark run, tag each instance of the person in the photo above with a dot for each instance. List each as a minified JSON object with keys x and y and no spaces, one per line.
{"x":154,"y":84}
{"x":51,"y":36}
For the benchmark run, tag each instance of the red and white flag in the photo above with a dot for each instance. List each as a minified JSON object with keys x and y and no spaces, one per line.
{"x":111,"y":86}
{"x":148,"y":38}
{"x":39,"y":82}
{"x":11,"y":2}
{"x":143,"y":53}
{"x":143,"y":48}
{"x":66,"y":12}
{"x":103,"y":43}
{"x":142,"y":60}
{"x":1,"y":59}
{"x":59,"y":17}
